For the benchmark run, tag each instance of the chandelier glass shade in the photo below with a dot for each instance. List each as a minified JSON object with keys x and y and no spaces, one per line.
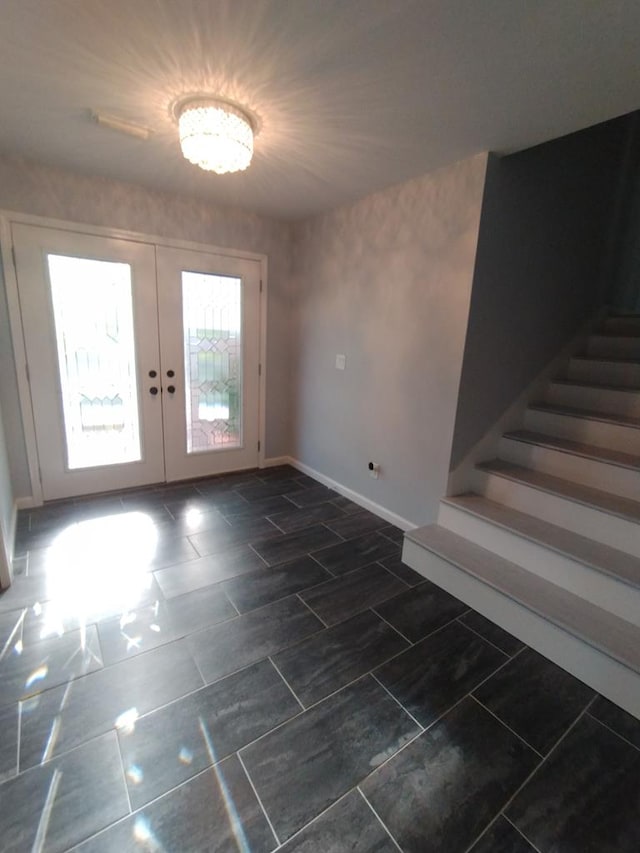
{"x":215,"y":135}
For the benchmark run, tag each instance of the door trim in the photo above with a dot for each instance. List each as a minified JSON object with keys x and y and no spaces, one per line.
{"x":7,"y":217}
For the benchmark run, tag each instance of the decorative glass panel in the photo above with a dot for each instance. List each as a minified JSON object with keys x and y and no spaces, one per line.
{"x":212,"y":316}
{"x":93,"y":314}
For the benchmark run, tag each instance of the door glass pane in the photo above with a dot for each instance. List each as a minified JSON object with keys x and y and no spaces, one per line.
{"x":212,"y":317}
{"x":93,"y":314}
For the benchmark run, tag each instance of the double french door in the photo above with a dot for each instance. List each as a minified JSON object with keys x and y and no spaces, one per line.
{"x":143,"y":359}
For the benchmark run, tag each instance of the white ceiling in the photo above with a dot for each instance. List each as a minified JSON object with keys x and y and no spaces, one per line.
{"x":352,"y":95}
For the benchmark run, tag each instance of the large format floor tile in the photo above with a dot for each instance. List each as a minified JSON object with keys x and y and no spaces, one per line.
{"x":145,"y":752}
{"x":35,"y":666}
{"x":59,"y":719}
{"x":205,"y":571}
{"x":348,"y":825}
{"x":225,"y":648}
{"x":342,"y":597}
{"x":56,"y":805}
{"x":169,"y":746}
{"x":308,"y":763}
{"x":585,"y":797}
{"x":331,"y":659}
{"x":264,"y":586}
{"x":421,"y":610}
{"x":290,"y":546}
{"x":434,"y":674}
{"x":502,"y":837}
{"x":443,"y":789}
{"x":344,"y":557}
{"x":217,"y":812}
{"x":535,"y":698}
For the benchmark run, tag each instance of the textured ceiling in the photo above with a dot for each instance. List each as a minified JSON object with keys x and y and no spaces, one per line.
{"x":352,"y":95}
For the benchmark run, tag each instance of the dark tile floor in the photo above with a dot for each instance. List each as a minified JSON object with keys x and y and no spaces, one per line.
{"x":245,"y":664}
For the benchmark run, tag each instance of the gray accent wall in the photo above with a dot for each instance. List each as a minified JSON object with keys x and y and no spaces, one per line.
{"x":33,"y":188}
{"x":541,"y":268}
{"x":386,"y":282}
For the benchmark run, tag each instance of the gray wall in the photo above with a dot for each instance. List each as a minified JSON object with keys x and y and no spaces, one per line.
{"x":6,"y":509}
{"x":386,"y":282}
{"x":36,"y":189}
{"x":545,"y":234}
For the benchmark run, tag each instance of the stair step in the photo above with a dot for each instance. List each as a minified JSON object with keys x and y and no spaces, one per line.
{"x":617,"y":564}
{"x":576,"y":448}
{"x":618,"y":400}
{"x":593,"y":625}
{"x":618,"y":346}
{"x":588,"y":414}
{"x":614,"y":371}
{"x":601,"y":429}
{"x":625,"y":508}
{"x":622,"y":324}
{"x":596,"y":646}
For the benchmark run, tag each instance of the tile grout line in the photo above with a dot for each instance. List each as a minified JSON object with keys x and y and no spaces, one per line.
{"x":521,"y":833}
{"x":536,"y":769}
{"x":393,"y":627}
{"x":292,"y":691}
{"x":258,"y":798}
{"x":312,"y":611}
{"x":124,"y":772}
{"x":378,"y":818}
{"x":478,"y":634}
{"x":613,"y":731}
{"x":397,"y":701}
{"x":502,"y":722}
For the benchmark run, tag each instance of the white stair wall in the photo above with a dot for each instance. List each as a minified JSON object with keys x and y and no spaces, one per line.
{"x":550,"y":552}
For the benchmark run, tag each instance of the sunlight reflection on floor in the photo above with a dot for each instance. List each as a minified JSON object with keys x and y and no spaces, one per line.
{"x":96,"y":567}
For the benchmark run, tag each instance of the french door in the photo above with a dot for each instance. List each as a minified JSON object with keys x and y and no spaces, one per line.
{"x":143,"y":359}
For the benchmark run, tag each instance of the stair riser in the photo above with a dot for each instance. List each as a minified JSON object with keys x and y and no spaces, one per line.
{"x":622,"y":325}
{"x":618,"y":683}
{"x":624,"y":482}
{"x":587,"y":521}
{"x":616,"y":347}
{"x":598,"y":588}
{"x":594,"y":399}
{"x":600,"y":433}
{"x":605,"y":372}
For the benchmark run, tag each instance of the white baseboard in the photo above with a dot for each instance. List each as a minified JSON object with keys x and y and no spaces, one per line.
{"x":275,"y":461}
{"x":356,"y":497}
{"x":26,"y":503}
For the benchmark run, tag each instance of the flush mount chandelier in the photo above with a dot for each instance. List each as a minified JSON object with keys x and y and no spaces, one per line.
{"x":214,"y":134}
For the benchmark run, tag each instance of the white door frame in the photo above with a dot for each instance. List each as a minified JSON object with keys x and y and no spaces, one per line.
{"x":15,"y":319}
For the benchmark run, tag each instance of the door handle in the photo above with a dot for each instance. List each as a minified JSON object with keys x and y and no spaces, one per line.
{"x":171,"y":373}
{"x":171,"y":389}
{"x":153,"y":390}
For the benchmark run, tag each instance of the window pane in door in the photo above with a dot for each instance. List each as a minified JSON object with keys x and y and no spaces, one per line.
{"x":93,"y":315}
{"x":212,"y":318}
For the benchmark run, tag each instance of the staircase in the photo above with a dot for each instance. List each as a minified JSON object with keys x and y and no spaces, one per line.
{"x":547,"y":542}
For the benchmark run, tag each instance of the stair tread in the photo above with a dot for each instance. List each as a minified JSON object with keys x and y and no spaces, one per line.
{"x":618,"y":564}
{"x":596,"y":386}
{"x":596,"y":498}
{"x":606,"y":359}
{"x":578,"y":448}
{"x":597,"y":627}
{"x":588,"y":414}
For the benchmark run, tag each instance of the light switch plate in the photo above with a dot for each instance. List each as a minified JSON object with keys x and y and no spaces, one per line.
{"x":341,"y":361}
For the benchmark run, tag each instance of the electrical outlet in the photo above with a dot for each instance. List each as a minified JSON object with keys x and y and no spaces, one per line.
{"x":374,"y":470}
